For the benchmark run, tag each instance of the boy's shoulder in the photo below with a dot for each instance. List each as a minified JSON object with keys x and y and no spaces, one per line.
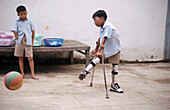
{"x":19,"y":22}
{"x":108,"y":24}
{"x":28,"y":19}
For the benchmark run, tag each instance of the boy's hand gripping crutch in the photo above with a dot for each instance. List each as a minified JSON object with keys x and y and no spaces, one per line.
{"x":107,"y":95}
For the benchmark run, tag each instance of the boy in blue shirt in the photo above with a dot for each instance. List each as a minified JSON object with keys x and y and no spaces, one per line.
{"x":24,"y":31}
{"x":109,"y":39}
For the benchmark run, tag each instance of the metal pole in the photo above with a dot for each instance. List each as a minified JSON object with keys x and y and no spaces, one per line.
{"x":107,"y":95}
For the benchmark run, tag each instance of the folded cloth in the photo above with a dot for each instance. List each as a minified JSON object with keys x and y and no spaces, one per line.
{"x":6,"y":39}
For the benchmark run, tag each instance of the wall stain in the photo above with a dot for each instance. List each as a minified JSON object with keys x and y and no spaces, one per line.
{"x":46,"y":28}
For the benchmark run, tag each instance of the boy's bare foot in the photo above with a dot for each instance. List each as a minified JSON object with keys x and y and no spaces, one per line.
{"x":33,"y":77}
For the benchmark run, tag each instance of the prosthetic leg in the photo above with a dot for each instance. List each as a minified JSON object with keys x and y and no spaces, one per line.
{"x":114,"y":85}
{"x":92,"y":64}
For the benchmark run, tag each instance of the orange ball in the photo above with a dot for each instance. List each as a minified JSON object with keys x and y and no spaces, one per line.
{"x":13,"y":80}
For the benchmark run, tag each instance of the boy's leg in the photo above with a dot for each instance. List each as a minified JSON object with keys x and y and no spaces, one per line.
{"x":29,"y":54}
{"x":114,"y":80}
{"x":31,"y":63}
{"x":93,"y":63}
{"x":21,"y":65}
{"x":115,"y":64}
{"x":19,"y":52}
{"x":115,"y":86}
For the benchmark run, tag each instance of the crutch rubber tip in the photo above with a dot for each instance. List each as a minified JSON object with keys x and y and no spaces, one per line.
{"x":90,"y":84}
{"x":107,"y":96}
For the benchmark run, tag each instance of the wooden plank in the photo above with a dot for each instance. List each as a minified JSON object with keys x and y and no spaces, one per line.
{"x":81,"y":52}
{"x":68,"y":45}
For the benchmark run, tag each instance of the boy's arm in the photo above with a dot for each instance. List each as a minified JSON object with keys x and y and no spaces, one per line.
{"x":97,"y":44}
{"x":14,"y":30}
{"x":98,"y":54}
{"x":102,"y":44}
{"x":15,"y":34}
{"x":33,"y":34}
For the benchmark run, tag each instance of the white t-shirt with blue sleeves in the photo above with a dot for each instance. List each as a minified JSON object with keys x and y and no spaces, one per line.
{"x":112,"y":43}
{"x":24,"y":27}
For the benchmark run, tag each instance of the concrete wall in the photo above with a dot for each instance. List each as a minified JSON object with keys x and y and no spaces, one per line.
{"x":141,"y":23}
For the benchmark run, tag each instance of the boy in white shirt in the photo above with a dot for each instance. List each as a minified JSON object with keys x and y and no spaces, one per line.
{"x":24,"y":31}
{"x":109,"y":39}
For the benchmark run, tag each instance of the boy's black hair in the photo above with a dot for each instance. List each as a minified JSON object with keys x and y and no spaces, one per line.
{"x":100,"y":13}
{"x":20,"y":8}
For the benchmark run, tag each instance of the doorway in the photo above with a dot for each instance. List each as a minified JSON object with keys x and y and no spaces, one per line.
{"x":167,"y":35}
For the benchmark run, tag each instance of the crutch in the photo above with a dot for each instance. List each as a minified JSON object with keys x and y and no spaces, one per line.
{"x":91,"y":83}
{"x":107,"y":95}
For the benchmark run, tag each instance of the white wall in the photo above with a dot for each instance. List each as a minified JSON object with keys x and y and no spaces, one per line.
{"x":141,"y":23}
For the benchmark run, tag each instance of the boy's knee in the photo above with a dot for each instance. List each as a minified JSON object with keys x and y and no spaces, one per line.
{"x":114,"y":73}
{"x":30,"y":58}
{"x":114,"y":69}
{"x":21,"y":58}
{"x":95,"y":61}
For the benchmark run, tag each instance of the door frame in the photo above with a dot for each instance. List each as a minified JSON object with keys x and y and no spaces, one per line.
{"x":167,"y":35}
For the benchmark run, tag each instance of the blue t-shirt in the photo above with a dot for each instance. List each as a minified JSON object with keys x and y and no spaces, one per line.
{"x":112,"y":43}
{"x":24,"y":27}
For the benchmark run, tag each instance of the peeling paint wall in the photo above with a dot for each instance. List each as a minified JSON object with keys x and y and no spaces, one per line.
{"x":141,"y":23}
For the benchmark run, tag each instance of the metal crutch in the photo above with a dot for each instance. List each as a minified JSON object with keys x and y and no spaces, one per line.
{"x":107,"y":95}
{"x":91,"y":83}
